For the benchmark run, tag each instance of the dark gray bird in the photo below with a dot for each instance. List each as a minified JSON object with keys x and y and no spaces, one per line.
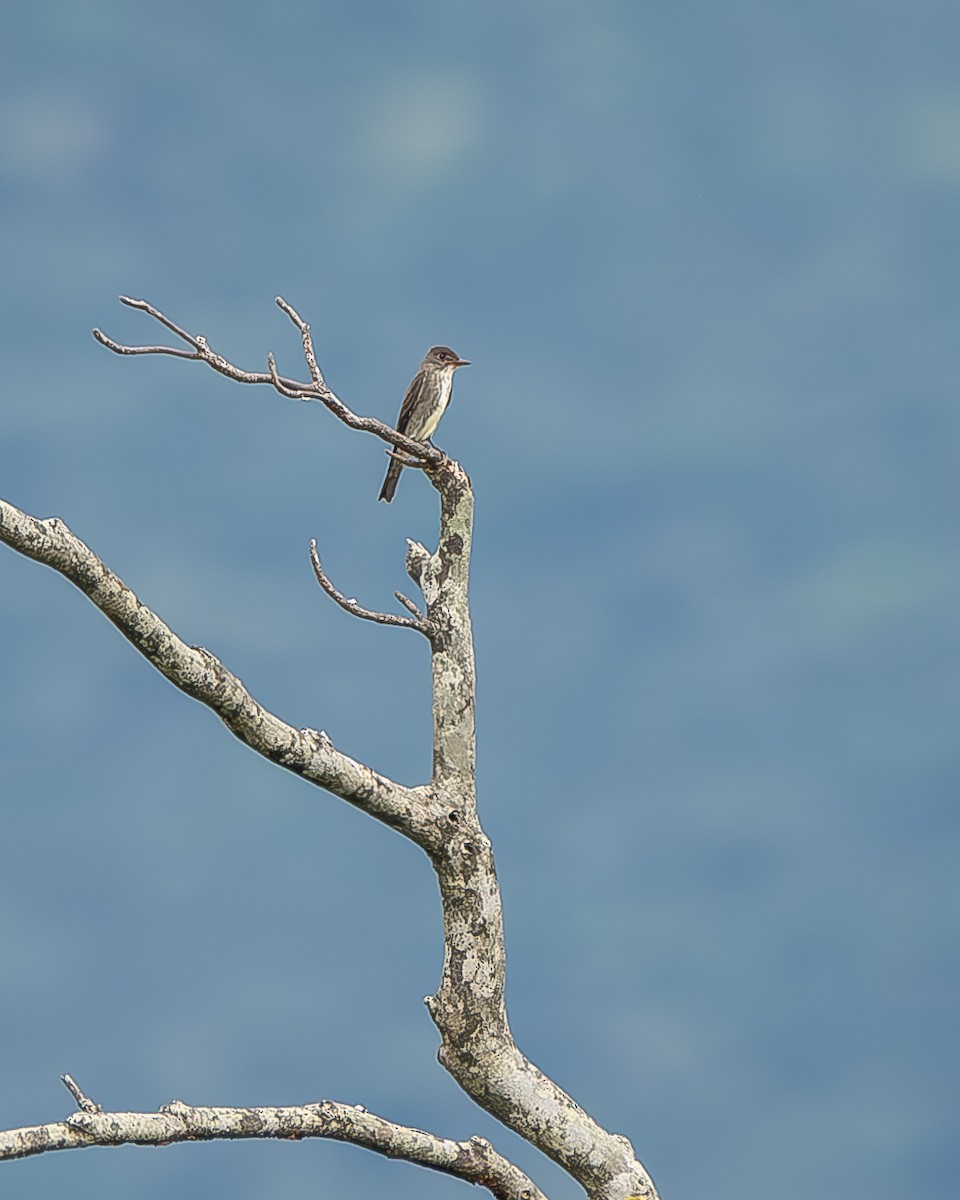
{"x":424,"y":404}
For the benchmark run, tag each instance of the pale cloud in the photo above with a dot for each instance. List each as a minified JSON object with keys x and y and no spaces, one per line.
{"x":49,"y":139}
{"x":422,"y":129}
{"x":930,"y":131}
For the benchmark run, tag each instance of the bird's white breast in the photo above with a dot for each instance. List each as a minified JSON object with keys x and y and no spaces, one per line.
{"x":446,"y":387}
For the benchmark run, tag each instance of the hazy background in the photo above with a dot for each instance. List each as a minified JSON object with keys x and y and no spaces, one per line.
{"x":704,"y":260}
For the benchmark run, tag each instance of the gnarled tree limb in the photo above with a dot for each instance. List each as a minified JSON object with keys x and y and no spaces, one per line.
{"x":477,"y":1046}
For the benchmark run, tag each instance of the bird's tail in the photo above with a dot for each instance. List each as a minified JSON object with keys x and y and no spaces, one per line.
{"x":391,"y":480}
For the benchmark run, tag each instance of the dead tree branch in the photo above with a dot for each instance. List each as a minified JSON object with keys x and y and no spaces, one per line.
{"x":468,"y":1008}
{"x":355,"y":610}
{"x":474,"y":1161}
{"x":316,"y":389}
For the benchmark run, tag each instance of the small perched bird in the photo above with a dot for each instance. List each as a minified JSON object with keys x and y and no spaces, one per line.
{"x":424,"y":404}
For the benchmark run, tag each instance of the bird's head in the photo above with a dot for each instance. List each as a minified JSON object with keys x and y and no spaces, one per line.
{"x":443,"y":356}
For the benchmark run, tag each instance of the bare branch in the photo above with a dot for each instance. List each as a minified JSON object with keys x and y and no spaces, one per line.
{"x":477,"y":1045}
{"x":278,"y":383}
{"x":305,"y":336}
{"x":478,"y":1048}
{"x":293,"y":389}
{"x":351,"y":606}
{"x":474,"y":1161}
{"x":157,"y":315}
{"x":200,"y":350}
{"x":86,"y":1104}
{"x":199,"y":674}
{"x":409,"y":605}
{"x":119,"y":348}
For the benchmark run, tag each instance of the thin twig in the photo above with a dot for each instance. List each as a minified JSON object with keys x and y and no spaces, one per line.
{"x":409,"y":605}
{"x":350,"y":605}
{"x":278,"y":383}
{"x":84,"y":1103}
{"x":120,"y":348}
{"x":199,"y":674}
{"x":294,"y":389}
{"x":145,"y":306}
{"x":309,"y":353}
{"x":200,"y":350}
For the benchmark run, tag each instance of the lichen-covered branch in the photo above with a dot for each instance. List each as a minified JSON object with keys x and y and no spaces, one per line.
{"x":468,"y":1008}
{"x":474,"y":1161}
{"x":477,"y":1046}
{"x":198,"y":673}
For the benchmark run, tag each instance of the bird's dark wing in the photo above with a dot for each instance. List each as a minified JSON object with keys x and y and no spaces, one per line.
{"x":411,"y":404}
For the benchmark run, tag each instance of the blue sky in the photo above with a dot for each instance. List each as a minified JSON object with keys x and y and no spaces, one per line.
{"x":704,"y":261}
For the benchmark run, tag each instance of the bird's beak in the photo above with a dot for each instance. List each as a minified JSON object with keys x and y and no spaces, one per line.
{"x":462,"y":362}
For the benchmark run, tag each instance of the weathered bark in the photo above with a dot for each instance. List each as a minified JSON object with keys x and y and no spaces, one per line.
{"x":469,"y":1010}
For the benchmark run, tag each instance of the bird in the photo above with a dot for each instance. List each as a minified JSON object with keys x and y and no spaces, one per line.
{"x":424,"y":404}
